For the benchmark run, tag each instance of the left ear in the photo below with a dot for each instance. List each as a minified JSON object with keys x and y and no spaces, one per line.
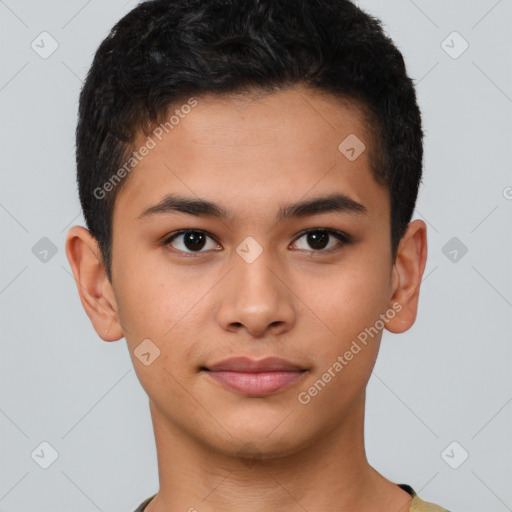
{"x":408,"y":271}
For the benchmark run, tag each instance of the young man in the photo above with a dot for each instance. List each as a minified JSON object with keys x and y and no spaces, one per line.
{"x":248,"y":173}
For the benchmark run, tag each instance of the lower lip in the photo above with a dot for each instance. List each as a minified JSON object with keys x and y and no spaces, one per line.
{"x":256,"y":384}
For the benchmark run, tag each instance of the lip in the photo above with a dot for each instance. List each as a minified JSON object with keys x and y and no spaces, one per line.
{"x":248,"y":365}
{"x":255,"y":377}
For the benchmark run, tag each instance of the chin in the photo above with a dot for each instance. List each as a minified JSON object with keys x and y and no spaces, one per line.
{"x":254,"y":451}
{"x":262,"y":442}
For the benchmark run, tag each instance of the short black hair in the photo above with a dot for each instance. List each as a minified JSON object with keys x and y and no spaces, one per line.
{"x":166,"y":50}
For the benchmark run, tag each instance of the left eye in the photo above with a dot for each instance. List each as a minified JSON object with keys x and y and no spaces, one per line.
{"x":318,"y":239}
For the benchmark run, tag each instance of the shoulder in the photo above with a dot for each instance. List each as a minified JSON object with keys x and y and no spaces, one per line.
{"x":144,"y":504}
{"x":418,"y":505}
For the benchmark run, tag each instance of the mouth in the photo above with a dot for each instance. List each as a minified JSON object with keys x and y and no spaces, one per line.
{"x":255,"y":378}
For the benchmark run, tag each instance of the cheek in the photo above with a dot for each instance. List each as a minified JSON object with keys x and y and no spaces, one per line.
{"x":349,"y":307}
{"x":350,"y":298}
{"x":144,"y":304}
{"x":157,"y":299}
{"x":158,"y":307}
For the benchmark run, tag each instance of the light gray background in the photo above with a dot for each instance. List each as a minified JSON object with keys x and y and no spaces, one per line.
{"x":447,"y":379}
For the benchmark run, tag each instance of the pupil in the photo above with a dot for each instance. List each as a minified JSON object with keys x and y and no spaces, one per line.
{"x":318,"y":240}
{"x":194,"y":240}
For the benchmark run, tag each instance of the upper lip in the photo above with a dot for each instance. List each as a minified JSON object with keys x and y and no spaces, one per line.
{"x":246,"y":364}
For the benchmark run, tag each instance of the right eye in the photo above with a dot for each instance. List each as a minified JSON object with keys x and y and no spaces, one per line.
{"x":190,"y":241}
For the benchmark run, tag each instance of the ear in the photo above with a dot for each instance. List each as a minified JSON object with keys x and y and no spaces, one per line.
{"x":408,"y":271}
{"x":95,"y":290}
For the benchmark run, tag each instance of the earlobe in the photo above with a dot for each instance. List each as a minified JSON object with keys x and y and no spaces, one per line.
{"x":408,"y":272}
{"x":94,"y":288}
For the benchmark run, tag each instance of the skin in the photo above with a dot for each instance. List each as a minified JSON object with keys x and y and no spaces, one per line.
{"x":252,"y":155}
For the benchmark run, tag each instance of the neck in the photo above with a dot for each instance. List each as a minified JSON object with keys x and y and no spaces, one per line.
{"x":332,"y":473}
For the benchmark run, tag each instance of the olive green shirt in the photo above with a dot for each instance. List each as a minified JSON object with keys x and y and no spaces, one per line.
{"x":417,"y":505}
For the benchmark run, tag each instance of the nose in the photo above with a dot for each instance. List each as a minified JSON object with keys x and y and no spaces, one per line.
{"x":257,"y":298}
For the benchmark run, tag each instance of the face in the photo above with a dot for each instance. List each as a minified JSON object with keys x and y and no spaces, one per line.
{"x":291,"y":260}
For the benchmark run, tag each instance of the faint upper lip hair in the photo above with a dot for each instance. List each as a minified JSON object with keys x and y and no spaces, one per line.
{"x":246,"y":364}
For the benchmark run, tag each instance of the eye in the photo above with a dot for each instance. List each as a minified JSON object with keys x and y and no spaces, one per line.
{"x":191,"y":241}
{"x":318,"y":239}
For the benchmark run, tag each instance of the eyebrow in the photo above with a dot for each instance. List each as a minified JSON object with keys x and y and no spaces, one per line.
{"x":172,"y":204}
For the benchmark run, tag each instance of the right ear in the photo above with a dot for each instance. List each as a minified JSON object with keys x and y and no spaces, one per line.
{"x":95,"y":290}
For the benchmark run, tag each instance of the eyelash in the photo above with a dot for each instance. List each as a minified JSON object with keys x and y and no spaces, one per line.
{"x":342,"y":237}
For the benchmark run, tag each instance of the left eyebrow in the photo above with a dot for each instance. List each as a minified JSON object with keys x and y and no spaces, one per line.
{"x":200,"y":207}
{"x":324,"y":204}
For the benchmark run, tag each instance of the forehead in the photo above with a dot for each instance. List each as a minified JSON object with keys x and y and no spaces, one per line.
{"x":254,"y":151}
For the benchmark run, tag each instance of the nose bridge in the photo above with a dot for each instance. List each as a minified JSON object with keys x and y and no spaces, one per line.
{"x":254,"y":275}
{"x":254,"y":279}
